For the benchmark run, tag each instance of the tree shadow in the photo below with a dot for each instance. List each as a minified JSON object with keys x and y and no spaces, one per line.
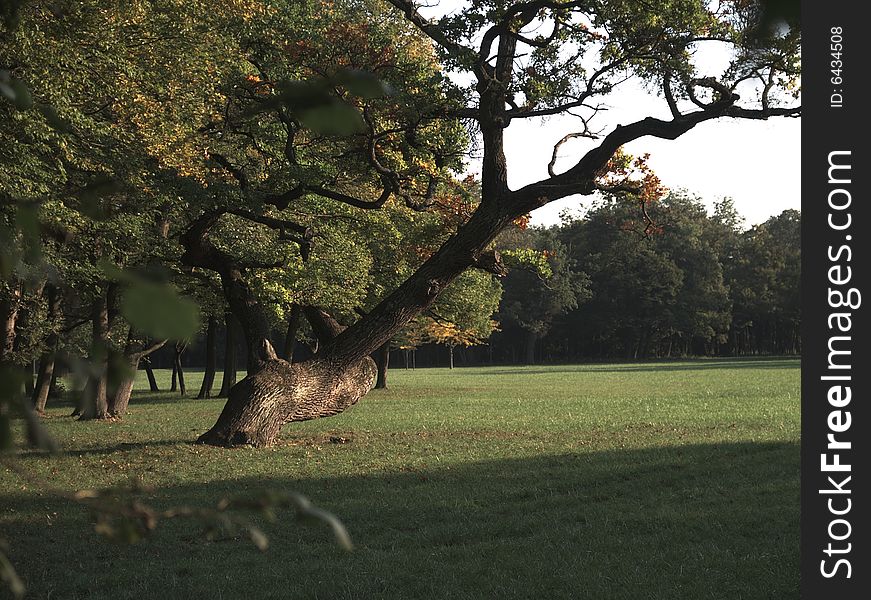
{"x":696,"y":521}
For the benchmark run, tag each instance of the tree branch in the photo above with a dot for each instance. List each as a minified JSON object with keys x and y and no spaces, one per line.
{"x":323,"y":325}
{"x":432,"y":30}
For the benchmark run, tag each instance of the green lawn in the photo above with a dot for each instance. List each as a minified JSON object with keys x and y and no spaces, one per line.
{"x":650,"y":480}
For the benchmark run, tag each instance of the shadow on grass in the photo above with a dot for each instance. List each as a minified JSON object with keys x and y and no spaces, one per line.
{"x":699,"y":522}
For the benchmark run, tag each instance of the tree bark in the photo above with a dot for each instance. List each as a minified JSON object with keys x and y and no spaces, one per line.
{"x":149,"y":372}
{"x":281,"y":392}
{"x":95,"y":401}
{"x":293,"y":323}
{"x":229,"y":378}
{"x":211,"y":367}
{"x":180,"y":347}
{"x":45,"y":370}
{"x":133,"y":355}
{"x":382,"y":362}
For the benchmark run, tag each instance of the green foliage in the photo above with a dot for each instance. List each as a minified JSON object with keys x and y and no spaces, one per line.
{"x":764,"y":278}
{"x":543,"y":282}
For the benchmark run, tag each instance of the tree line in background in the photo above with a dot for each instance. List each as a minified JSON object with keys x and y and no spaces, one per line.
{"x":673,"y":281}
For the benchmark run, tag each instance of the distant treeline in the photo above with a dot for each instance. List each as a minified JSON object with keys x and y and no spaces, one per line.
{"x":664,"y":280}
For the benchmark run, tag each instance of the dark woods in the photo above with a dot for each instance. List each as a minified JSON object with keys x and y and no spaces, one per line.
{"x":694,"y":285}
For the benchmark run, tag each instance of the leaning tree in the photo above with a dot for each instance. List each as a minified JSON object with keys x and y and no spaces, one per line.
{"x":513,"y":61}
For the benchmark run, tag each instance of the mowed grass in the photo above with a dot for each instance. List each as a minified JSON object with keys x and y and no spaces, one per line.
{"x":634,"y":481}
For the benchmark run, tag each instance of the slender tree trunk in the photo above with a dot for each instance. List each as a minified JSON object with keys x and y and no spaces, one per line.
{"x":95,"y":401}
{"x":382,"y":362}
{"x":44,"y":376}
{"x":45,"y":370}
{"x":293,"y":323}
{"x":229,"y":378}
{"x":149,"y":372}
{"x":211,"y":367}
{"x":52,"y":387}
{"x":29,"y":388}
{"x":451,"y":356}
{"x":180,"y":347}
{"x":173,"y":386}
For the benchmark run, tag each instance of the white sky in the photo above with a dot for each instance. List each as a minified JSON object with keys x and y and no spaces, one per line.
{"x":756,"y":163}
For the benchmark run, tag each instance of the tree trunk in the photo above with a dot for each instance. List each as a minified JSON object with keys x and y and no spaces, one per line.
{"x":95,"y":403}
{"x":451,"y":356}
{"x":180,"y":347}
{"x":276,"y":392}
{"x":28,"y":381}
{"x":382,"y":362}
{"x":120,"y":399}
{"x":52,"y":387}
{"x":229,"y":378}
{"x":45,"y":370}
{"x":211,"y":367}
{"x":281,"y":392}
{"x":173,"y":386}
{"x":44,"y":374}
{"x":149,"y":372}
{"x":293,"y":323}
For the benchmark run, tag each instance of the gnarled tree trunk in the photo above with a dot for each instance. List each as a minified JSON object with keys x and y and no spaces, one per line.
{"x":280,"y":392}
{"x":276,"y":392}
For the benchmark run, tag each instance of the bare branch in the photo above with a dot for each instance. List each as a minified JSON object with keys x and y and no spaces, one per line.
{"x":580,"y":134}
{"x":324,"y":326}
{"x":669,"y":96}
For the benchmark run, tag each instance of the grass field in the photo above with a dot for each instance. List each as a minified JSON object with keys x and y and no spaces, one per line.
{"x":638,"y":481}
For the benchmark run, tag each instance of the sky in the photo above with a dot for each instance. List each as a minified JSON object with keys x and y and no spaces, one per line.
{"x":756,"y":163}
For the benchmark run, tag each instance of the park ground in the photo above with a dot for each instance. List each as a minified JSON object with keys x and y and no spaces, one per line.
{"x":633,"y":481}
